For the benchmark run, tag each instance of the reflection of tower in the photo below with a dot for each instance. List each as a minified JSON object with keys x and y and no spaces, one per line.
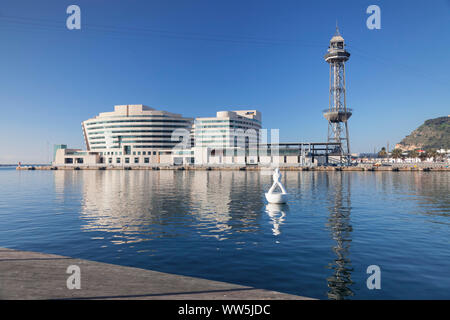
{"x":337,"y":113}
{"x":339,"y":224}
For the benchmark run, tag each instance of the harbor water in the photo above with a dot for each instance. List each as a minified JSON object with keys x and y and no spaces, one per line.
{"x":217,"y":225}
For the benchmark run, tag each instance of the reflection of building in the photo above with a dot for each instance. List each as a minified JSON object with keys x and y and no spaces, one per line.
{"x":339,"y":223}
{"x":217,"y":197}
{"x":141,"y":205}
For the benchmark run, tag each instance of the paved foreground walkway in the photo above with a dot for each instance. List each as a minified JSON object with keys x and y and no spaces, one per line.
{"x":31,"y":275}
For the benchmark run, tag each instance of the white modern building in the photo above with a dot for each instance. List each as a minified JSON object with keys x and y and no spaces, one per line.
{"x":134,"y":134}
{"x":74,"y":157}
{"x":225,"y":130}
{"x":140,"y":136}
{"x":227,"y":137}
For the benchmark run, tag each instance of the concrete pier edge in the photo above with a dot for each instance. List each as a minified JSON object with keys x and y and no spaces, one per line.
{"x":26,"y":275}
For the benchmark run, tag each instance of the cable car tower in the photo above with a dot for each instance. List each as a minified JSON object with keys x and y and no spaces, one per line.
{"x":337,"y":113}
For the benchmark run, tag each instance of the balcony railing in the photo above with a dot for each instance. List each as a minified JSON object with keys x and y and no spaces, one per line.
{"x":337,"y":110}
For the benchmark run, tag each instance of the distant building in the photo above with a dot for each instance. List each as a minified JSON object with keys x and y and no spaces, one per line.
{"x":64,"y":156}
{"x":56,"y":147}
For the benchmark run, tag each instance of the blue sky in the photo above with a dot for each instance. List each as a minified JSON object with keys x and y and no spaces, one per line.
{"x":199,"y":57}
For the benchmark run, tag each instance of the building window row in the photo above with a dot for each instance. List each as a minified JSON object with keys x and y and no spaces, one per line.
{"x":130,"y":131}
{"x":246,"y":121}
{"x":126,"y":160}
{"x":128,"y":137}
{"x":153,"y":120}
{"x":138,"y":126}
{"x":161,"y":140}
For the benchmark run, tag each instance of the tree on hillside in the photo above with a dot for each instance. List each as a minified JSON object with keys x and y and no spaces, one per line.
{"x":432,"y":153}
{"x":413,"y":154}
{"x":423,"y":156}
{"x":397,"y":153}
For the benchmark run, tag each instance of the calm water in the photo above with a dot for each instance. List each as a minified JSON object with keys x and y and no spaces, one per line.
{"x":217,"y":225}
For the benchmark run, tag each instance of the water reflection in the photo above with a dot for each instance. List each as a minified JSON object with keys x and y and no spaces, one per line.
{"x":144,"y":205}
{"x":339,"y":206}
{"x":175,"y":221}
{"x":277,"y":214}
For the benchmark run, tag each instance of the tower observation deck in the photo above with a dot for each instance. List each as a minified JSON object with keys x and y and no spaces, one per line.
{"x":337,"y":113}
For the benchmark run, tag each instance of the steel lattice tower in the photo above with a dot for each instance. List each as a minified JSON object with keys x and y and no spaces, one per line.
{"x":337,"y":113}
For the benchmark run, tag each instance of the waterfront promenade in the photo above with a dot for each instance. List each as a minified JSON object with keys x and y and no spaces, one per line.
{"x":424,"y":166}
{"x":32,"y":275}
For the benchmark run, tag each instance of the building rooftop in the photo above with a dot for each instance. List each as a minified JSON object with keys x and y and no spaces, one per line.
{"x":134,"y":110}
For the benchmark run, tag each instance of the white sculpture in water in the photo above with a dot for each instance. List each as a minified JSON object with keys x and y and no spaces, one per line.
{"x":276,"y":197}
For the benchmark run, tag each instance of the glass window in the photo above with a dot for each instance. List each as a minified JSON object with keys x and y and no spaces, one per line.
{"x":127,"y":160}
{"x":146,"y":160}
{"x":110,"y":160}
{"x":136,"y":160}
{"x":117,"y":160}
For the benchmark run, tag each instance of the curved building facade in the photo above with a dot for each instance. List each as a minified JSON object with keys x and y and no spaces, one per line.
{"x":134,"y":134}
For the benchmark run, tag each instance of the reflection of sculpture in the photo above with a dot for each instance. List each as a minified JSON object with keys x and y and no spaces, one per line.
{"x":276,"y":197}
{"x":340,"y":227}
{"x":276,"y":215}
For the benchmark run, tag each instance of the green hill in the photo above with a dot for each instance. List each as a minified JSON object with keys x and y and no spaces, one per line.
{"x":433,"y":134}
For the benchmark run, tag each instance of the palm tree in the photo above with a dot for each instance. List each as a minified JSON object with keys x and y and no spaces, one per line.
{"x":433,"y":153}
{"x":413,"y":154}
{"x":397,"y":153}
{"x":423,"y":156}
